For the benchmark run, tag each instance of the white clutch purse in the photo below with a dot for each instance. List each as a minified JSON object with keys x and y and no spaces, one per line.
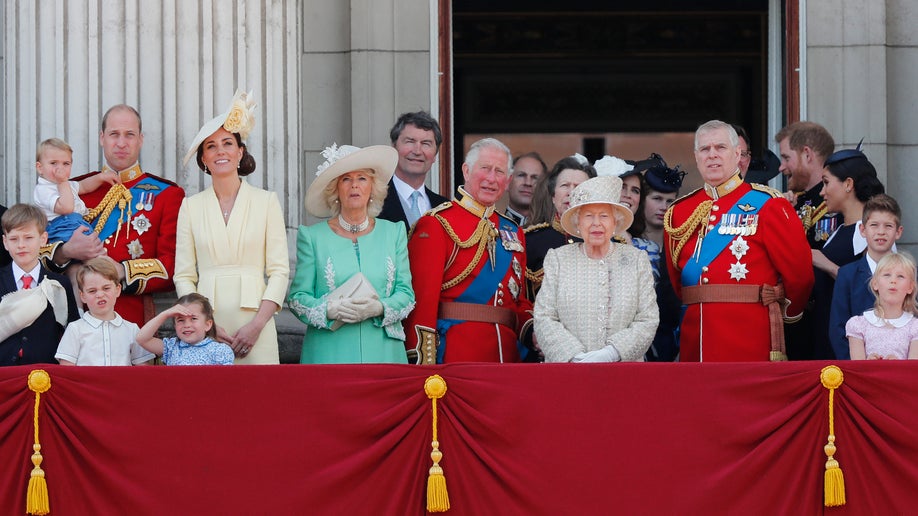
{"x":356,"y":286}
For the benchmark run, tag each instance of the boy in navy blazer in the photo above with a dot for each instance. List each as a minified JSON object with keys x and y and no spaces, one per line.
{"x":881,"y":226}
{"x":23,"y":235}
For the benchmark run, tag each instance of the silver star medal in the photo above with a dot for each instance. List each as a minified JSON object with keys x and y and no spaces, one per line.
{"x":141,"y":224}
{"x":738,"y":271}
{"x":514,"y":288}
{"x":135,"y":249}
{"x":739,"y":247}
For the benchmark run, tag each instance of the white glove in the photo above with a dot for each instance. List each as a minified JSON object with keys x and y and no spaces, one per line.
{"x":606,"y":354}
{"x":359,"y":309}
{"x":339,"y":310}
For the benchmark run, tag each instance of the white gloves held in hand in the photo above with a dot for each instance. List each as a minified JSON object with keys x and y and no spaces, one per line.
{"x":352,"y":310}
{"x":606,"y":354}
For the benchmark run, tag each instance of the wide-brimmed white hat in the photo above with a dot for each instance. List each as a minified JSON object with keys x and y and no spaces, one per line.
{"x":598,"y":190}
{"x":381,"y":159}
{"x":239,"y":118}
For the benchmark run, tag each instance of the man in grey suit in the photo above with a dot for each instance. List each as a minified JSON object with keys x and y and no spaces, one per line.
{"x":416,"y":137}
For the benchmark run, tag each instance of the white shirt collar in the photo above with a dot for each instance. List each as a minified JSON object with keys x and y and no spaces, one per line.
{"x":95,"y":323}
{"x":18,"y":273}
{"x":404,"y":189}
{"x":898,"y":322}
{"x":870,"y":263}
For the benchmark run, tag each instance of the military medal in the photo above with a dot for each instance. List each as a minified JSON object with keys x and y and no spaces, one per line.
{"x":739,"y":247}
{"x":738,"y":271}
{"x":824,"y":228}
{"x":517,"y":268}
{"x":141,"y":224}
{"x":148,"y":206}
{"x":510,"y":242}
{"x":135,"y":249}
{"x":514,"y":288}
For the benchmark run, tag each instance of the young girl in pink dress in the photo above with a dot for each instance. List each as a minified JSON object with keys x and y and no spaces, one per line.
{"x":890,"y":330}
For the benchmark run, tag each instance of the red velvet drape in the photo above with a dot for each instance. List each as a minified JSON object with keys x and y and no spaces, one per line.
{"x":522,"y":439}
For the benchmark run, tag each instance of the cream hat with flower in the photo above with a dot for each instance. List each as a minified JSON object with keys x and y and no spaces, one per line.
{"x":598,"y":190}
{"x":239,"y":118}
{"x":381,"y":159}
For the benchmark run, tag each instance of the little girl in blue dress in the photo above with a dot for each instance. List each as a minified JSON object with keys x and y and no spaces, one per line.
{"x":194,"y":342}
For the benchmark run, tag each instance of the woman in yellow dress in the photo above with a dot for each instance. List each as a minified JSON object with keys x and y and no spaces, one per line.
{"x":231,"y":237}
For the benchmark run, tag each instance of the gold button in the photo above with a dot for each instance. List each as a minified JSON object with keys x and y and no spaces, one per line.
{"x":710,"y":227}
{"x":704,"y":280}
{"x":500,"y":302}
{"x":715,"y":208}
{"x":704,"y":269}
{"x":712,"y":218}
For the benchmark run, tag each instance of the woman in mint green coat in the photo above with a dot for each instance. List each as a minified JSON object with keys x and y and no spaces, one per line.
{"x":352,"y":284}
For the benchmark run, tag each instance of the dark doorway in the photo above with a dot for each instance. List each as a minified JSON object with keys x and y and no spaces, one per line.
{"x":556,"y":74}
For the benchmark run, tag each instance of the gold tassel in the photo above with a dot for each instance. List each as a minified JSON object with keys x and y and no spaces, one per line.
{"x":37,"y":495}
{"x":832,"y":378}
{"x":437,"y":496}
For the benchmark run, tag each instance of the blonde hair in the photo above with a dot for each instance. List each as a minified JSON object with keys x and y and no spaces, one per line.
{"x":102,"y":266}
{"x":378,"y":193}
{"x":55,"y":143}
{"x":907,"y":262}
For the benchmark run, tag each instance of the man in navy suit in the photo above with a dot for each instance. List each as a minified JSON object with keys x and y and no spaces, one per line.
{"x":881,"y":227}
{"x":416,"y":137}
{"x":23,"y":235}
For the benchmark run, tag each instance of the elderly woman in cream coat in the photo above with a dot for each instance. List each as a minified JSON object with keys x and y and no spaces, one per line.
{"x":231,"y":237}
{"x":597,"y":301}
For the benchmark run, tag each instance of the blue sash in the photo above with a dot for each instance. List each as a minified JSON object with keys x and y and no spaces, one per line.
{"x":483,"y":286}
{"x":714,"y":243}
{"x":143,"y":187}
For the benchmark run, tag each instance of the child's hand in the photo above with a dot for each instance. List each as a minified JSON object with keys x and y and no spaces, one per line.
{"x":110,"y":176}
{"x":178,"y":310}
{"x":57,"y":175}
{"x":874,"y":356}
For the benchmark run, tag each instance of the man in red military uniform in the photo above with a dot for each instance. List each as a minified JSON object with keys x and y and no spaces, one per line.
{"x":467,"y":269}
{"x":738,"y":258}
{"x":135,"y":220}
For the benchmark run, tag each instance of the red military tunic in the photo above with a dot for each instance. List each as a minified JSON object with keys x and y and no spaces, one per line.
{"x":449,"y":251}
{"x":141,"y":237}
{"x":764,"y":248}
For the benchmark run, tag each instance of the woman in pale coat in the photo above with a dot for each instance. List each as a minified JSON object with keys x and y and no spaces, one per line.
{"x":231,"y":237}
{"x":352,"y":325}
{"x":597,"y":301}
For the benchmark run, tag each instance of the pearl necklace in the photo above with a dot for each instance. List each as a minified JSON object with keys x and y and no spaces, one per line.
{"x":353,"y":228}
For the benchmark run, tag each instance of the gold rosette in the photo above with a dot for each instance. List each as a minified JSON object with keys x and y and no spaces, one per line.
{"x":241,"y":116}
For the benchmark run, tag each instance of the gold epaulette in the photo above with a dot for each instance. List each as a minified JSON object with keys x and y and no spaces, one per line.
{"x":440,"y":207}
{"x":767,"y":189}
{"x":534,"y":227}
{"x":433,"y":211}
